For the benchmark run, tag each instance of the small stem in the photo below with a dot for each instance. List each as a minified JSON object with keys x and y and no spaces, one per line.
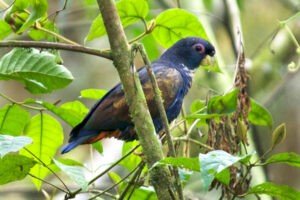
{"x":20,"y":103}
{"x":73,"y":194}
{"x":116,"y":184}
{"x":138,"y":37}
{"x":132,"y":181}
{"x":287,"y":28}
{"x":193,"y":141}
{"x":55,"y":45}
{"x":60,"y":37}
{"x":60,"y":189}
{"x":105,"y":193}
{"x":44,"y":164}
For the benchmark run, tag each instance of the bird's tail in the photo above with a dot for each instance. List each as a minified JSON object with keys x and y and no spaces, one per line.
{"x":78,"y":136}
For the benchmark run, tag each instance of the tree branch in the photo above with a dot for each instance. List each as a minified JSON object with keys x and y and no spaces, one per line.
{"x":56,"y":45}
{"x":162,"y":113}
{"x":121,"y":54}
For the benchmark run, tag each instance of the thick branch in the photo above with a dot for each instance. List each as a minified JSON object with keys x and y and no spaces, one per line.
{"x":163,"y":115}
{"x":55,"y":45}
{"x":121,"y":54}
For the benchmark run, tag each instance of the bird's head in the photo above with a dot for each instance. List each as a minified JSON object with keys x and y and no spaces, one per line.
{"x":190,"y":51}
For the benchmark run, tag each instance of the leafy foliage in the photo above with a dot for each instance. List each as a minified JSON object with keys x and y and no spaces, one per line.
{"x":47,"y":135}
{"x":92,"y":93}
{"x":289,"y":158}
{"x":12,"y":144}
{"x":187,"y":163}
{"x":75,"y":173}
{"x":13,"y":119}
{"x":174,"y":24}
{"x":214,"y":162}
{"x":130,"y":11}
{"x":279,"y":191}
{"x":37,"y":70}
{"x":14,"y":167}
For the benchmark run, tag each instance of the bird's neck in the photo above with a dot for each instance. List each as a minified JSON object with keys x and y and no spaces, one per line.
{"x":175,"y":57}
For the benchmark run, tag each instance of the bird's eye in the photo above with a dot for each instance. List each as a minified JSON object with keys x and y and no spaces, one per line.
{"x":199,"y":48}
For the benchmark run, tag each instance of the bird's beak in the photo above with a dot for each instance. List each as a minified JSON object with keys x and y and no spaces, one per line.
{"x":208,"y":61}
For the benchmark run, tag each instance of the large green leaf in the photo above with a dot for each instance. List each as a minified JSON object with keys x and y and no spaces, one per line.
{"x":14,"y":167}
{"x":71,"y":112}
{"x":289,"y":158}
{"x":37,"y":69}
{"x":224,"y":104}
{"x":214,"y":162}
{"x":13,"y":120}
{"x":12,"y":144}
{"x":175,"y":24}
{"x":76,"y":173}
{"x":282,"y":192}
{"x":5,"y":29}
{"x":47,"y":135}
{"x":129,"y":11}
{"x":259,"y":115}
{"x":182,"y":162}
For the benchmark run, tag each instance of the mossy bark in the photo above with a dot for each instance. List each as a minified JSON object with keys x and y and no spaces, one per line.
{"x":121,"y":54}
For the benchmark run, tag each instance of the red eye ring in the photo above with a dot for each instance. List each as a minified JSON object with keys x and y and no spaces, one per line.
{"x":199,"y":48}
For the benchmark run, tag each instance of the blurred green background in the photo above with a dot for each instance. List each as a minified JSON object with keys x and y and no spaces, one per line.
{"x":272,"y":83}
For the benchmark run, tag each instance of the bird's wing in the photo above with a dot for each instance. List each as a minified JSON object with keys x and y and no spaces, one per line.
{"x":111,"y":112}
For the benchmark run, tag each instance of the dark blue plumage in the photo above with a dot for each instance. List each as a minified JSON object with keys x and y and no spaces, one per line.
{"x":109,"y":117}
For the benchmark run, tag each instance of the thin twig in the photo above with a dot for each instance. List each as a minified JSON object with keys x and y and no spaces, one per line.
{"x":132,"y":181}
{"x":20,"y":103}
{"x":44,"y":164}
{"x":117,"y":183}
{"x":56,"y":35}
{"x":193,"y":141}
{"x":33,"y":176}
{"x":73,"y":194}
{"x":55,"y":45}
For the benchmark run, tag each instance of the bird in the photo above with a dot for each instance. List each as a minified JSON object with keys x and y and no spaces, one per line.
{"x":173,"y":70}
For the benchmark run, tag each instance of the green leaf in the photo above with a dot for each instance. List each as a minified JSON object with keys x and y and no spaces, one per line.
{"x":14,"y":167}
{"x":39,"y":9}
{"x":144,"y":193}
{"x":116,"y":179}
{"x":197,"y":106}
{"x":129,"y":11}
{"x":12,"y":144}
{"x":278,"y":135}
{"x":175,"y":24}
{"x":282,"y":192}
{"x":224,"y":176}
{"x":47,"y":135}
{"x":5,"y":29}
{"x":131,"y":161}
{"x":259,"y":115}
{"x":37,"y":70}
{"x":92,"y":93}
{"x":13,"y":120}
{"x":75,"y":173}
{"x":71,"y":112}
{"x":182,"y":162}
{"x":224,"y":104}
{"x":213,"y":163}
{"x":289,"y":158}
{"x":98,"y":146}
